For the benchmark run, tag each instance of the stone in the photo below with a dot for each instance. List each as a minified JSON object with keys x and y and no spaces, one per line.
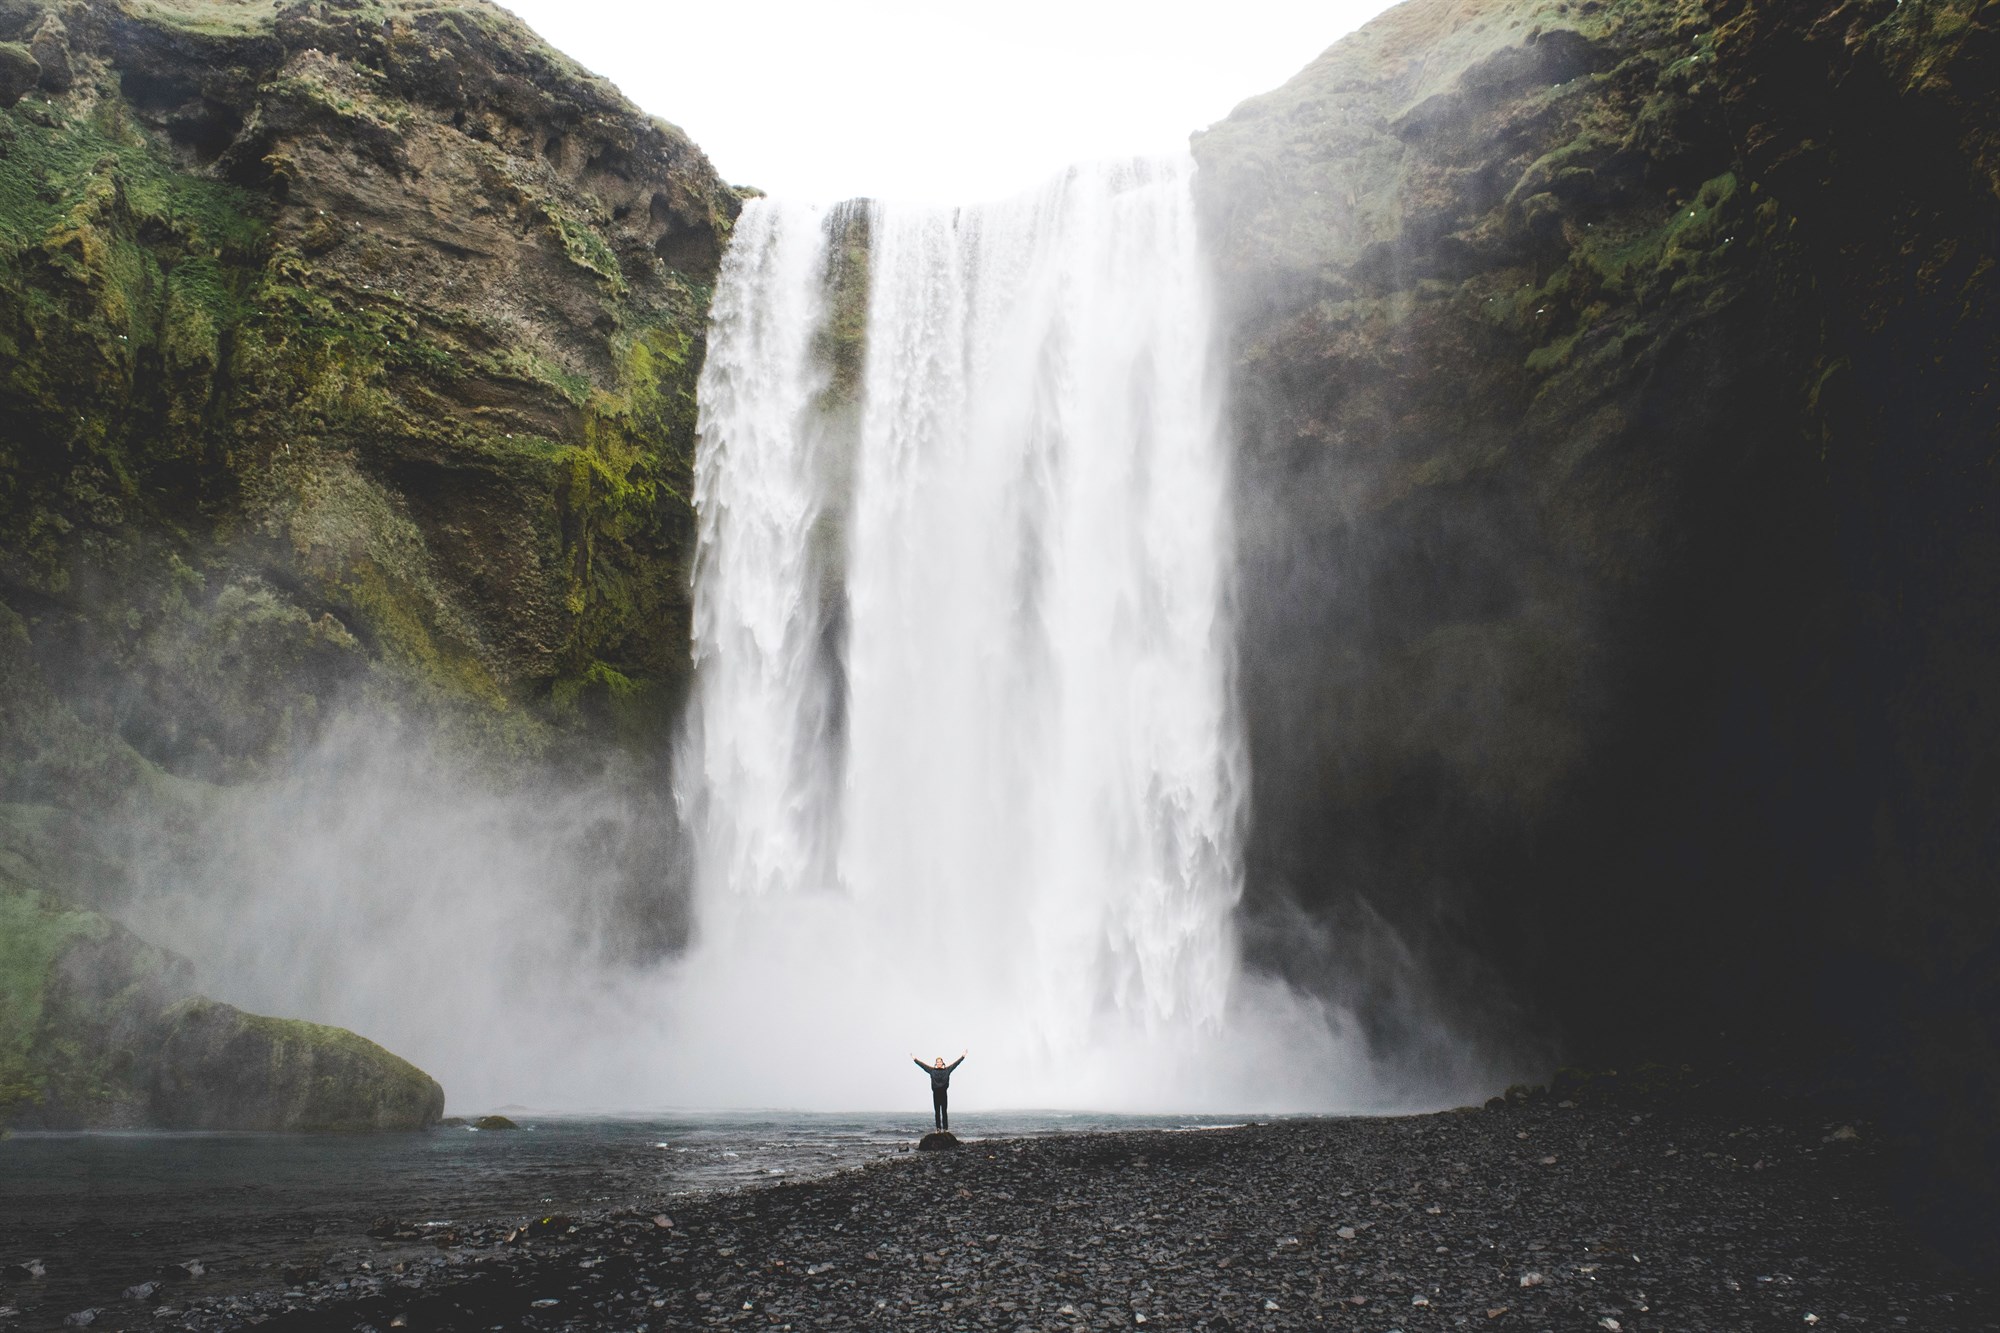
{"x":19,"y":73}
{"x":942,"y":1140}
{"x":492,"y":1122}
{"x":50,"y":46}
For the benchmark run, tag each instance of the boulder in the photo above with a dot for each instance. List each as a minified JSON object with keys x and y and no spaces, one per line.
{"x":19,"y":72}
{"x":50,"y":47}
{"x":221,"y":1068}
{"x":942,"y":1140}
{"x":100,"y":1029}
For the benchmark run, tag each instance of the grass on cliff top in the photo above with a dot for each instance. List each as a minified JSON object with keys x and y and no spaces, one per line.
{"x":252,"y":18}
{"x":217,"y":18}
{"x":239,"y":18}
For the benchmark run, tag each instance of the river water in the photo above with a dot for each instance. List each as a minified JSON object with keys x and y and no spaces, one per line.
{"x":105,"y":1211}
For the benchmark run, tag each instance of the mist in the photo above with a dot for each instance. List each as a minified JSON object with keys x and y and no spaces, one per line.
{"x":963,"y":767}
{"x":528,"y":943}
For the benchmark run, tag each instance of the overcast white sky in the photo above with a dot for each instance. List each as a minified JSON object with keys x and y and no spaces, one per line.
{"x":933,"y":100}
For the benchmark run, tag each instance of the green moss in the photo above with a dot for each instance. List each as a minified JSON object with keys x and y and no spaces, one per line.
{"x":52,"y":169}
{"x":530,"y":366}
{"x":1599,"y":298}
{"x":189,"y":378}
{"x":226,"y":1069}
{"x":583,"y":245}
{"x":221,"y":18}
{"x":110,"y":256}
{"x":33,"y":935}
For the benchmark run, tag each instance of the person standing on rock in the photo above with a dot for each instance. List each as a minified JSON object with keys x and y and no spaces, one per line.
{"x":941,"y":1083}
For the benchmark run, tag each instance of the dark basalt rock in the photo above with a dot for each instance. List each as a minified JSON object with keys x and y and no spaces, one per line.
{"x":494,"y":1122}
{"x":942,"y":1140}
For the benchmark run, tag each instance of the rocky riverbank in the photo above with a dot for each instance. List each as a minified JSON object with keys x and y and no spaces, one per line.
{"x":1586,"y":1210}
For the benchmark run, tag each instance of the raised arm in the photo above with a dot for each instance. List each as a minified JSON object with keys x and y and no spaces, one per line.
{"x":956,"y":1063}
{"x":920,"y":1064}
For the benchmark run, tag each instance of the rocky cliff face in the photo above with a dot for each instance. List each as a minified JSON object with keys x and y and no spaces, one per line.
{"x":1617,"y":398}
{"x":347,"y":358}
{"x":345,"y":342}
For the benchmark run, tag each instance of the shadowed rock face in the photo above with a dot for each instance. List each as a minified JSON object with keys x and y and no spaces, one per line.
{"x":1617,"y":405}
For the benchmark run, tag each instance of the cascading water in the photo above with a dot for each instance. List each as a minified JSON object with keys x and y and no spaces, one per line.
{"x":962,"y":765}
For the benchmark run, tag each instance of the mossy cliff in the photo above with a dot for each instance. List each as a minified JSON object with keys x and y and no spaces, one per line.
{"x":347,"y":359}
{"x":346,"y":345}
{"x":1617,"y":397}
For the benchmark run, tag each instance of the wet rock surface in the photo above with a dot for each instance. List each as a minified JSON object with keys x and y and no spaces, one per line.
{"x":1582,"y":1212}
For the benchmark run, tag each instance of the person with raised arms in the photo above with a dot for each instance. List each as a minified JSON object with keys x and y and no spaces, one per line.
{"x":941,"y":1083}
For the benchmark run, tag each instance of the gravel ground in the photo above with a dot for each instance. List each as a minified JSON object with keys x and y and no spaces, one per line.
{"x":1536,"y":1214}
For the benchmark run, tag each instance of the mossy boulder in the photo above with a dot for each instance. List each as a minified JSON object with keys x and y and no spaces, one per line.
{"x":220,"y":1068}
{"x":19,"y":72}
{"x":98,"y":1029}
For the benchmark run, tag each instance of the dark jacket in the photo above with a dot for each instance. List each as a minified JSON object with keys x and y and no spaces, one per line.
{"x":940,"y":1078}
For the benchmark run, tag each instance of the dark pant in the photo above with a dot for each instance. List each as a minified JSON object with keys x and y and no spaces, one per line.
{"x":937,"y":1108}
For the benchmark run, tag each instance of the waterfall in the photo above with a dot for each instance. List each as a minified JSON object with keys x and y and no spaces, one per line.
{"x":962,"y":764}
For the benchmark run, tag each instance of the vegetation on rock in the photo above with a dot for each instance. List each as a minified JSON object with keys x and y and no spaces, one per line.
{"x":347,"y":346}
{"x":347,"y":357}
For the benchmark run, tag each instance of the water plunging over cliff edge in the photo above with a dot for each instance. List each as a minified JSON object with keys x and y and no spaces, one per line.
{"x":962,"y":764}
